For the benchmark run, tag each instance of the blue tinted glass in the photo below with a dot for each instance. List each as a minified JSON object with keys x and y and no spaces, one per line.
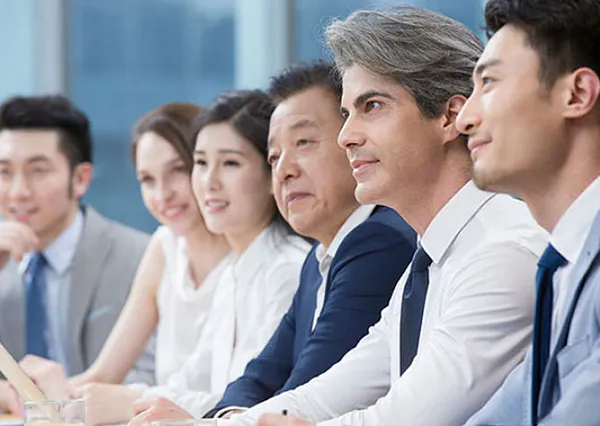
{"x":311,"y":16}
{"x":126,"y":57}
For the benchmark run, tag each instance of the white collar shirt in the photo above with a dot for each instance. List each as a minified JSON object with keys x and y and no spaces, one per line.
{"x":476,"y":327}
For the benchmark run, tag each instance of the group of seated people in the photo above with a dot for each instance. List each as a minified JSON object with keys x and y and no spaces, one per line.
{"x":407,"y":236}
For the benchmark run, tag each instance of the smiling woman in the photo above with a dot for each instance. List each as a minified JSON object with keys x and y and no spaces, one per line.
{"x":173,"y":290}
{"x":232,"y":183}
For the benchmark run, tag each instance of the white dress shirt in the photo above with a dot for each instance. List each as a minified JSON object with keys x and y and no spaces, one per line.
{"x":476,"y":327}
{"x":325,"y":255}
{"x":58,"y":273}
{"x":576,"y":221}
{"x":183,"y":309}
{"x":253,"y":294}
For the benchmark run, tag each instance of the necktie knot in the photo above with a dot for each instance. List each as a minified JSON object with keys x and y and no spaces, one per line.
{"x":421,"y":261}
{"x":551,"y":259}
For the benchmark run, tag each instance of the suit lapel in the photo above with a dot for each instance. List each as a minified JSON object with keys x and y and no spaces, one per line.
{"x":589,"y":254}
{"x":87,"y":268}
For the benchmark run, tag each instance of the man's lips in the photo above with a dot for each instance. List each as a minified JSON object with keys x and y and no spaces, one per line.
{"x":296,"y":196}
{"x":357,"y":164}
{"x":476,"y":144}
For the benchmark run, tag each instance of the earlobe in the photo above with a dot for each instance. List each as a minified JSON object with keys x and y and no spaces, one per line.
{"x":453,"y":107}
{"x":82,"y":176}
{"x":584,"y":88}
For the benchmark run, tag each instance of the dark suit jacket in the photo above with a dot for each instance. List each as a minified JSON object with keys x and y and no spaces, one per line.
{"x":360,"y":282}
{"x":105,"y":263}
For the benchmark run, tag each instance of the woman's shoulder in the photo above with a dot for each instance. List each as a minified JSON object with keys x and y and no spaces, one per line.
{"x":288,"y":247}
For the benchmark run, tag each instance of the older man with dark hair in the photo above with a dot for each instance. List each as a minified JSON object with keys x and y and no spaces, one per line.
{"x":461,"y":318}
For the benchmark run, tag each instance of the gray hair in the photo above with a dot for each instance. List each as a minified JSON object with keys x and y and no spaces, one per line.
{"x":430,"y":55}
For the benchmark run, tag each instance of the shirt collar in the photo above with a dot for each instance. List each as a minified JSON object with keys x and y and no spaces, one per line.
{"x":451,"y":219}
{"x":60,"y":253}
{"x":577,"y":221}
{"x":357,"y":217}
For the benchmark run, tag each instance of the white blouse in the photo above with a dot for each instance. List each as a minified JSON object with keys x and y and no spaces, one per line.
{"x":253,"y":293}
{"x":182,"y":309}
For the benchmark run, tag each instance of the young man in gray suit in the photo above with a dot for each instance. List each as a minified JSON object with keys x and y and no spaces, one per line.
{"x":533,"y":122}
{"x":65,"y":271}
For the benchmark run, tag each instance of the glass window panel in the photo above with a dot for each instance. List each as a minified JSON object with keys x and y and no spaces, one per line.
{"x":311,"y":16}
{"x":127,"y":57}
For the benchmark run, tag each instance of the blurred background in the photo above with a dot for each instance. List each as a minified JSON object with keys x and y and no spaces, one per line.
{"x":117,"y":59}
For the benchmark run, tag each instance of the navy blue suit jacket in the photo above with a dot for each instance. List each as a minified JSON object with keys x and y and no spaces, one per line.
{"x":360,"y":282}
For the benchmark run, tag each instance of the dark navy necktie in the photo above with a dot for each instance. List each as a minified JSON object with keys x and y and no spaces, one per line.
{"x":550,"y":261}
{"x":36,"y":315}
{"x":413,"y":302}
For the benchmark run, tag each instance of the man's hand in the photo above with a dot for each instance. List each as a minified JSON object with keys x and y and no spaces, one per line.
{"x":107,"y":403}
{"x":279,"y":420}
{"x":49,"y":376}
{"x":9,"y":399}
{"x":16,"y":239}
{"x":155,"y":409}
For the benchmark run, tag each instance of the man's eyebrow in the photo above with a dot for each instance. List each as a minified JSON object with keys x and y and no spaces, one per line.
{"x":303,"y":123}
{"x":360,"y":99}
{"x":481,"y":67}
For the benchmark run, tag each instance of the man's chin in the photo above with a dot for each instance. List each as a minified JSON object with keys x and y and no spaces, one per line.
{"x":365,"y":195}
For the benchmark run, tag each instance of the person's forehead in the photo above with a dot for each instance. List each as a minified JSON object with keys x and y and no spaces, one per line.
{"x":508,"y":43}
{"x":357,"y":81}
{"x":15,"y":143}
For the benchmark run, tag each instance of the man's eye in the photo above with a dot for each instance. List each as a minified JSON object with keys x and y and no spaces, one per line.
{"x":370,"y":105}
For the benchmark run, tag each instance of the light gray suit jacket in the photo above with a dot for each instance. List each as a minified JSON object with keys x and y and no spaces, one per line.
{"x":104,"y":266}
{"x":570,"y":390}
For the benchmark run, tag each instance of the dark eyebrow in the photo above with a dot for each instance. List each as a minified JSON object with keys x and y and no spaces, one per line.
{"x":361,"y":99}
{"x":480,"y":68}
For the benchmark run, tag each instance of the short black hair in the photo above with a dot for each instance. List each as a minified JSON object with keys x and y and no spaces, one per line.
{"x":564,"y":33}
{"x":51,"y":112}
{"x":302,"y":76}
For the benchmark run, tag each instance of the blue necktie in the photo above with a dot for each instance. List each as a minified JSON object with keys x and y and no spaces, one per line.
{"x":36,"y":319}
{"x":413,"y":303}
{"x":550,"y":261}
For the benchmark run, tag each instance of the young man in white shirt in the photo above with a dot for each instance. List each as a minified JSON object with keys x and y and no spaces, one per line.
{"x":533,"y":122}
{"x":460,"y":319}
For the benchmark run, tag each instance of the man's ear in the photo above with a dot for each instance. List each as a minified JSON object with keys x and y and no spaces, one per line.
{"x":448,"y":120}
{"x":583,"y":89}
{"x":82,"y":176}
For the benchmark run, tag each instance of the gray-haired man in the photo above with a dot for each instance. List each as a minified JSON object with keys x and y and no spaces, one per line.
{"x":460,"y":319}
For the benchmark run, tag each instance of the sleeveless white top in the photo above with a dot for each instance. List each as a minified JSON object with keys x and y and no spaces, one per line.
{"x":182,"y":309}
